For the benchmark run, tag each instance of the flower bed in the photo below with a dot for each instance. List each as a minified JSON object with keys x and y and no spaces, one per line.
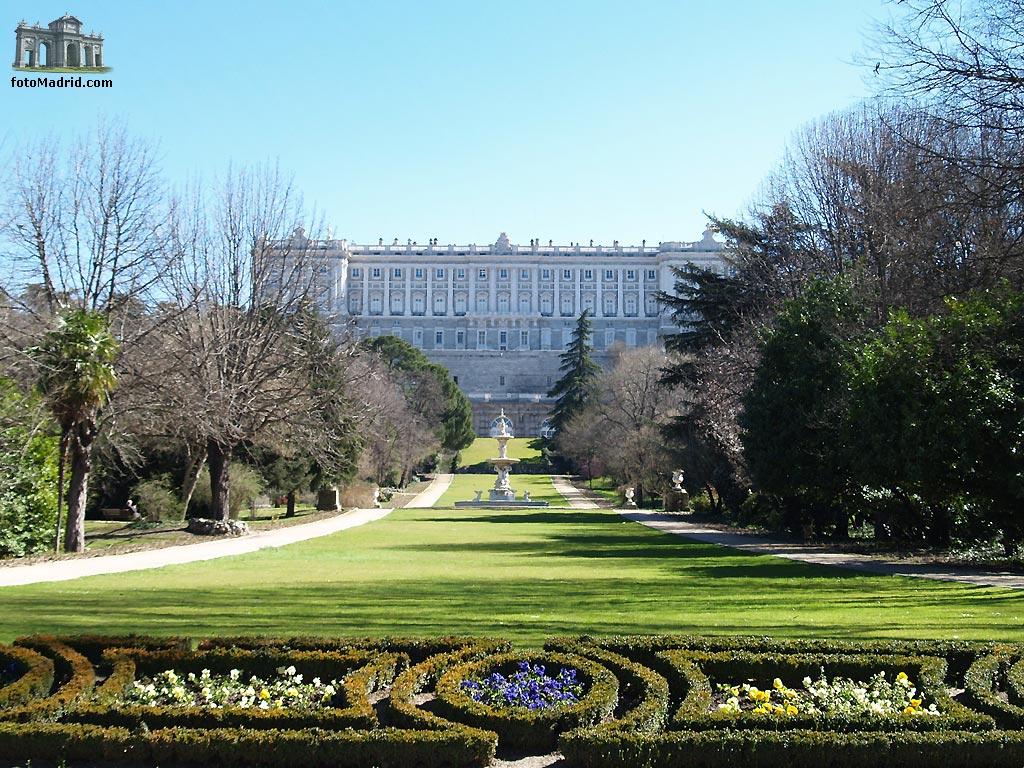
{"x":839,"y":696}
{"x":288,"y":690}
{"x":643,"y":702}
{"x":533,"y":726}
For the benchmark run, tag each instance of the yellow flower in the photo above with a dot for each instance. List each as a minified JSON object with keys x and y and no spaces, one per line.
{"x":264,"y":694}
{"x":915,"y":703}
{"x":791,"y":710}
{"x":777,"y":684}
{"x":908,"y":711}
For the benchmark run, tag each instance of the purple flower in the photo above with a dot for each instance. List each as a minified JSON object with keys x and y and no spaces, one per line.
{"x":530,"y":688}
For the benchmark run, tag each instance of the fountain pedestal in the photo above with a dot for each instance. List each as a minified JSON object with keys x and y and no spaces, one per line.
{"x":502,"y":494}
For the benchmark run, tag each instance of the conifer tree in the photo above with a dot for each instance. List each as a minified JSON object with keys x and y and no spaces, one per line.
{"x":579,"y":374}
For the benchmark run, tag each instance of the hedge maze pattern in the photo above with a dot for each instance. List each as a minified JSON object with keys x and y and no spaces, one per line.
{"x":647,"y":702}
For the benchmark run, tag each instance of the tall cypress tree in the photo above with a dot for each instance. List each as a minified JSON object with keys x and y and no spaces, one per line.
{"x":579,"y":372}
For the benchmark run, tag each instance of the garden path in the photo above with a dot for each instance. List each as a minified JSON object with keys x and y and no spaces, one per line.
{"x":819,"y":555}
{"x":63,"y":570}
{"x":577,"y":498}
{"x":429,"y":496}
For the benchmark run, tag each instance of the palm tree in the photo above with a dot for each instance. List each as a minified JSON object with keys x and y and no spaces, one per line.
{"x":77,"y":378}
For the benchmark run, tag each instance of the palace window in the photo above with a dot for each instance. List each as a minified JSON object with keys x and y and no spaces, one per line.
{"x":375,"y":273}
{"x":481,"y":339}
{"x":524,"y":274}
{"x":460,"y":339}
{"x":503,"y":340}
{"x":482,"y":274}
{"x":438,"y":338}
{"x":396,"y":272}
{"x":651,"y":274}
{"x":439,"y":274}
{"x":460,"y":274}
{"x":356,"y":272}
{"x":503,"y":274}
{"x":524,"y":339}
{"x":418,"y":273}
{"x":609,"y":274}
{"x":567,"y":274}
{"x":588,"y":274}
{"x":545,"y":274}
{"x":630,"y":275}
{"x":439,"y":304}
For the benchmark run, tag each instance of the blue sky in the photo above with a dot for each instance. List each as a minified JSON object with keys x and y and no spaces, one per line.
{"x":554,"y":119}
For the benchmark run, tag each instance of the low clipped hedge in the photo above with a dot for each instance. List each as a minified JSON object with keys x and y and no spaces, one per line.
{"x":56,"y":710}
{"x":988,"y":677}
{"x":523,"y":729}
{"x":367,"y":672}
{"x":643,"y":693}
{"x":701,"y":669}
{"x":35,"y":678}
{"x":73,"y":681}
{"x":797,"y":749}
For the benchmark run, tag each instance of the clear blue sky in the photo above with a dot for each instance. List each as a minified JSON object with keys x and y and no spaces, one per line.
{"x":557,"y":119}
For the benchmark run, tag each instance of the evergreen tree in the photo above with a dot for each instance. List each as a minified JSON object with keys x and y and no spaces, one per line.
{"x":579,"y":374}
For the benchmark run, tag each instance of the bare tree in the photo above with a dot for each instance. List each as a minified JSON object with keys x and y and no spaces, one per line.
{"x":630,"y":405}
{"x":83,"y":228}
{"x":241,"y":270}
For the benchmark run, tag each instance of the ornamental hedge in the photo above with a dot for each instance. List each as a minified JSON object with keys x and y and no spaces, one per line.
{"x":645,"y":701}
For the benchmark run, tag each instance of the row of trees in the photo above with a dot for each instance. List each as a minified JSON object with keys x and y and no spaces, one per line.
{"x":172,"y":330}
{"x":860,"y":360}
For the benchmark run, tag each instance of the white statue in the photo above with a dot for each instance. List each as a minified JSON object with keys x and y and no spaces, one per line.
{"x":677,"y":480}
{"x":630,"y":492}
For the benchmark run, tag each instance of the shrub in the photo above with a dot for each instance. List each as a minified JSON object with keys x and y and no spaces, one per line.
{"x":156,"y":500}
{"x":245,"y":485}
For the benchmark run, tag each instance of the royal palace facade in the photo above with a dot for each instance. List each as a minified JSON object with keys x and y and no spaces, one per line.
{"x":499,"y":316}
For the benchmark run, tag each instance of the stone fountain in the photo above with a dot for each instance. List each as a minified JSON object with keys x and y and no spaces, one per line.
{"x":502,"y":494}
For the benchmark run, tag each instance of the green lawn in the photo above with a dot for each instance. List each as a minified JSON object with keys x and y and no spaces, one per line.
{"x":523,"y":574}
{"x":464,"y":488}
{"x":484,"y":448}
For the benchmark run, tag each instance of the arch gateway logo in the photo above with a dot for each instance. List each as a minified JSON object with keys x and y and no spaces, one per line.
{"x":60,"y":46}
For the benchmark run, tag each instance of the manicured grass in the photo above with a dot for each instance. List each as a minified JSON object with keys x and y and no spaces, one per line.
{"x":464,"y":488}
{"x":523,"y":574}
{"x":484,"y":448}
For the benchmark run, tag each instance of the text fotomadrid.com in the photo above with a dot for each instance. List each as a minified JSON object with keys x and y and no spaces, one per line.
{"x":59,"y":82}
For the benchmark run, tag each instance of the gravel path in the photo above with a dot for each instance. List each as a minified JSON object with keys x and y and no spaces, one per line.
{"x":63,"y":570}
{"x":678,"y":525}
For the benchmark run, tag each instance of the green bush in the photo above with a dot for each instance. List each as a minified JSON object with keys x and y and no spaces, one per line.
{"x":28,"y":475}
{"x":156,"y":500}
{"x":245,"y":485}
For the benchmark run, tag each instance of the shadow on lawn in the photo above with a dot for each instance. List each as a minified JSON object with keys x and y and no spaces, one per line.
{"x":524,"y":609}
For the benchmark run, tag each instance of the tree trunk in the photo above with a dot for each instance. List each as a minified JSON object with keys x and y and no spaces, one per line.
{"x":218,"y":457}
{"x":188,"y":485}
{"x":291,"y":505}
{"x":61,"y":467}
{"x":78,"y":488}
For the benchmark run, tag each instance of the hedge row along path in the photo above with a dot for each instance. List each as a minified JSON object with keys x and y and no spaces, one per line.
{"x":576,"y":498}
